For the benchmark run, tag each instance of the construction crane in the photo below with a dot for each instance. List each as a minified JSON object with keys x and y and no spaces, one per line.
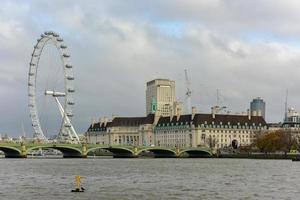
{"x":188,"y":92}
{"x":286,"y":105}
{"x":218,"y":109}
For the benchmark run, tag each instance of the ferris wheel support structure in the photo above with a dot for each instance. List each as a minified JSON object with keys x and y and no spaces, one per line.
{"x":67,"y":120}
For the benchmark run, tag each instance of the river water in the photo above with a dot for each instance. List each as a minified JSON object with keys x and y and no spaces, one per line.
{"x":149,"y":179}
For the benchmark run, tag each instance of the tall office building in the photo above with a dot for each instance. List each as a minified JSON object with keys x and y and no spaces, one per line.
{"x":258,"y":107}
{"x":161,"y":98}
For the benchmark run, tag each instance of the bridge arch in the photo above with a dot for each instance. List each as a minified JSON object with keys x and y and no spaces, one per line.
{"x":196,"y":153}
{"x":11,"y":152}
{"x":118,"y":152}
{"x":67,"y":151}
{"x":159,"y":152}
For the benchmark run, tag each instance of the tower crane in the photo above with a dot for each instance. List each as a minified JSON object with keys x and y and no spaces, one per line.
{"x":188,"y":92}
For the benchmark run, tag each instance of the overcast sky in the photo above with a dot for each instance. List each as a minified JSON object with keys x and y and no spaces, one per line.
{"x":245,"y":49}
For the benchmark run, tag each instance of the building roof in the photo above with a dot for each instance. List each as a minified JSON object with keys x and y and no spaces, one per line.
{"x":185,"y":119}
{"x":159,"y":79}
{"x":97,"y":126}
{"x":274,"y":125}
{"x":123,"y":121}
{"x":132,"y":121}
{"x":182,"y":118}
{"x":208,"y":118}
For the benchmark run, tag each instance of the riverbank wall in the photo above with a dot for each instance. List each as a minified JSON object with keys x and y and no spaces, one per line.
{"x":259,"y":156}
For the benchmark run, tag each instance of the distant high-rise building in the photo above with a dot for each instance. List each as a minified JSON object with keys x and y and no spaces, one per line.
{"x":258,"y":107}
{"x":292,"y":117}
{"x":161,"y":98}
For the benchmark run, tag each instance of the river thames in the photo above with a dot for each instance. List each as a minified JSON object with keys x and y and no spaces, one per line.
{"x":150,"y":179}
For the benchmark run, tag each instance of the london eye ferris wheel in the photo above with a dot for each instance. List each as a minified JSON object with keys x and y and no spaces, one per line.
{"x":51,"y":83}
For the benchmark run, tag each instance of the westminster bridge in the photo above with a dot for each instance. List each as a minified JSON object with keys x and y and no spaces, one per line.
{"x":21,"y":150}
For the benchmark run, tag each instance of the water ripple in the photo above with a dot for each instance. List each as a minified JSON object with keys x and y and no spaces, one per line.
{"x":45,"y":179}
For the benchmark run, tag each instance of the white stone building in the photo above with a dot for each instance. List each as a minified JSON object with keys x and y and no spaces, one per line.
{"x":194,"y":130}
{"x":134,"y":131}
{"x":209,"y":130}
{"x":291,"y":123}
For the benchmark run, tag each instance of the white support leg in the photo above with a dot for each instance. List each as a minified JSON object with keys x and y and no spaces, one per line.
{"x":67,"y":120}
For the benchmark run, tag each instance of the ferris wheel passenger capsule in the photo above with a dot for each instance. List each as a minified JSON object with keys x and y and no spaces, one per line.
{"x":68,"y":66}
{"x":71,"y":103}
{"x":67,"y":125}
{"x":66,"y":55}
{"x":70,"y":77}
{"x":70,"y":114}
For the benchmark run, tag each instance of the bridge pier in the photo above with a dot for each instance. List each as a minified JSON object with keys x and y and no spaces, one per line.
{"x":83,"y":151}
{"x":23,"y":151}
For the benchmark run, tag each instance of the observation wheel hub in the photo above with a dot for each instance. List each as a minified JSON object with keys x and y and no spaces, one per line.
{"x":55,"y":93}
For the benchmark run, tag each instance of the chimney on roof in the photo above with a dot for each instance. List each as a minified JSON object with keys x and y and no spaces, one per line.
{"x":101,"y":120}
{"x":93,"y":122}
{"x":194,"y":111}
{"x":113,"y":116}
{"x":105,"y":121}
{"x":213,"y":112}
{"x":249,"y":114}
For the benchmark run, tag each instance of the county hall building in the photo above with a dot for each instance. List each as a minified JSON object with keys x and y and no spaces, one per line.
{"x":165,"y":126}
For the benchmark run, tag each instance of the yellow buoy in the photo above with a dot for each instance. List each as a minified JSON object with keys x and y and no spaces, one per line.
{"x":78,"y":185}
{"x":78,"y":181}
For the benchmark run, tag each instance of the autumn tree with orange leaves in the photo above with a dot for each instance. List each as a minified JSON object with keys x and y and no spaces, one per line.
{"x":276,"y":141}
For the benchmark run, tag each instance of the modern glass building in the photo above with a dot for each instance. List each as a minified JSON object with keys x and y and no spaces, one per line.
{"x":258,"y":107}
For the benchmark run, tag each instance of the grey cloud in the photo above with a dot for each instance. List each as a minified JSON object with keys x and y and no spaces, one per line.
{"x":116,"y":47}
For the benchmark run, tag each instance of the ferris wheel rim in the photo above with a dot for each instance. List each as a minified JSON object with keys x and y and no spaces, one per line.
{"x":45,"y":39}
